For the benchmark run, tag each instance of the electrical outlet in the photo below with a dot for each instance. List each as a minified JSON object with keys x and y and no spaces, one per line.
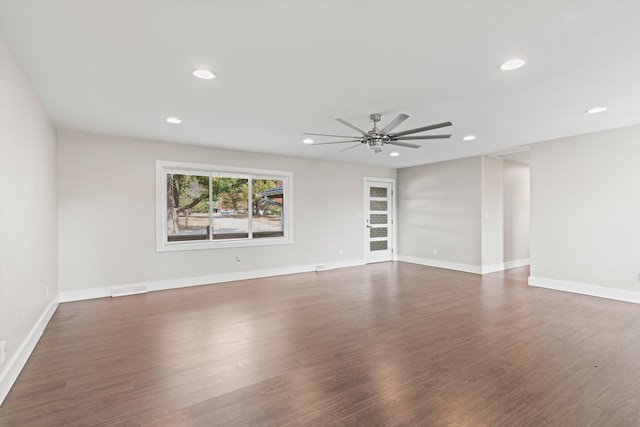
{"x":435,"y":251}
{"x":3,"y":351}
{"x":237,"y":260}
{"x":46,"y":291}
{"x":341,"y":252}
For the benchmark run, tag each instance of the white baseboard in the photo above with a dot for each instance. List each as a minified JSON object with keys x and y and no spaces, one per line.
{"x":486,"y":269}
{"x":517,"y":263}
{"x":10,"y":373}
{"x":584,"y":289}
{"x":121,"y":291}
{"x":504,"y":266}
{"x":467,"y":268}
{"x":83,"y":294}
{"x":341,"y":264}
{"x":441,"y":264}
{"x":160,"y":285}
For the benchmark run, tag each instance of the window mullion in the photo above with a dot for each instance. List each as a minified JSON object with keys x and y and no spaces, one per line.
{"x":210,"y":208}
{"x":250,"y":207}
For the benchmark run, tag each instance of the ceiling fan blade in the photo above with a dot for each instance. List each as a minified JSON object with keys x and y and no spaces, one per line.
{"x":351,"y":126}
{"x":334,"y":142}
{"x":409,"y":138}
{"x":324,"y":134}
{"x":404,"y":144}
{"x":421,"y":129}
{"x":394,"y":123}
{"x":349,"y":148}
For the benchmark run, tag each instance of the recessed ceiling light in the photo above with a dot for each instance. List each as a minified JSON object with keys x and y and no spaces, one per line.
{"x":204,"y":74}
{"x":394,"y":154}
{"x":307,"y":141}
{"x":512,"y":64}
{"x":174,"y":120}
{"x":595,"y":110}
{"x":469,"y":138}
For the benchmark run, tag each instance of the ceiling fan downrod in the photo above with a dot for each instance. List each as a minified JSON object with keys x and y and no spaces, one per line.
{"x":376,"y":139}
{"x":375,"y":132}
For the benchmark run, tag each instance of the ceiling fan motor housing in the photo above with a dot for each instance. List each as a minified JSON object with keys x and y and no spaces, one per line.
{"x":376,"y":141}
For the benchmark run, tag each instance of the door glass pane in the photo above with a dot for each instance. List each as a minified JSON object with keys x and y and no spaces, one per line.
{"x":378,"y":218}
{"x":377,"y":192}
{"x":380,"y":245}
{"x":378,"y":205}
{"x":230,"y":207}
{"x":378,"y":232}
{"x":187,"y":207}
{"x":268,"y":207}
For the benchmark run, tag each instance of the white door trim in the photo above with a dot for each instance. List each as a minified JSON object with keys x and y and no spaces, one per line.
{"x":394,"y":228}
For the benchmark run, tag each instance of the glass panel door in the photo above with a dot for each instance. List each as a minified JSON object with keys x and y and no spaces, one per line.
{"x":378,"y":221}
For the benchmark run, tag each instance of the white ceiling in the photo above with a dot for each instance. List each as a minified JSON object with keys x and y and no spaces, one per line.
{"x":120,"y":67}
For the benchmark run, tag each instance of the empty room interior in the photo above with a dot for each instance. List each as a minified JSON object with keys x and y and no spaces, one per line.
{"x":319,"y":213}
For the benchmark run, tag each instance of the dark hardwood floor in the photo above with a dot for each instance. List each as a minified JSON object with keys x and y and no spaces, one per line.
{"x":382,"y":345}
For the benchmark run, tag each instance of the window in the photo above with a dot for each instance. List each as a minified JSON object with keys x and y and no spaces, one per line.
{"x":206,"y":206}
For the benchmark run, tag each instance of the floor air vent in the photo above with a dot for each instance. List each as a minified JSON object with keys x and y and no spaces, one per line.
{"x":129,"y":290}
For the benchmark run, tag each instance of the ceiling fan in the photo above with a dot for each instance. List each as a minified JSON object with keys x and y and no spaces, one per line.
{"x":376,"y":138}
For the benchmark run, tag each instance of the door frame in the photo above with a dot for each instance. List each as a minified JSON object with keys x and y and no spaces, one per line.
{"x":394,"y":222}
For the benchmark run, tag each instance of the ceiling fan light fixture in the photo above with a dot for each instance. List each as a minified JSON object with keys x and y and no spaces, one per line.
{"x":203,"y":74}
{"x":512,"y":64}
{"x":469,"y":138}
{"x":596,"y":110}
{"x":307,"y":141}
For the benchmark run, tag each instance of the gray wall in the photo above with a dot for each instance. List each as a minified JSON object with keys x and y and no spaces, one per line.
{"x":473,"y":211}
{"x":492,"y":212}
{"x":106,"y":196}
{"x":439,"y":208}
{"x":28,"y":213}
{"x":516,"y":210}
{"x":585,"y":209}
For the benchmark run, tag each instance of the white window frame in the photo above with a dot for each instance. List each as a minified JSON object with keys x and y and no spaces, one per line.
{"x":162,"y":243}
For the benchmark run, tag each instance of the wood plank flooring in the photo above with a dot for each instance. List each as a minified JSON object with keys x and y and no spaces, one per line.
{"x":390,"y":344}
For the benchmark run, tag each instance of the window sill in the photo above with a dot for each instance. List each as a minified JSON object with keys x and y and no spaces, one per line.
{"x":190,"y":245}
